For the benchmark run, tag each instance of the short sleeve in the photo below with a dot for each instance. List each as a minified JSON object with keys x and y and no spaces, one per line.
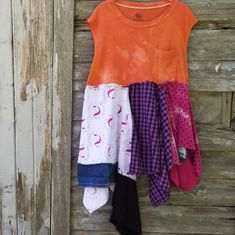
{"x":190,"y":21}
{"x":91,"y":20}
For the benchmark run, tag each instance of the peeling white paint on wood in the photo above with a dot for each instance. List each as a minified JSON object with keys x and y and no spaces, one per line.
{"x":217,"y":67}
{"x":28,"y":82}
{"x":7,"y":144}
{"x":23,"y":114}
{"x":56,"y":107}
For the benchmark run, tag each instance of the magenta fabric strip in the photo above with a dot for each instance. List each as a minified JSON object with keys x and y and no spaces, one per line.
{"x":187,"y":174}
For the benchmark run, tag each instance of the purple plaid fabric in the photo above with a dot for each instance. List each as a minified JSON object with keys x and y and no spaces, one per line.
{"x":151,"y":152}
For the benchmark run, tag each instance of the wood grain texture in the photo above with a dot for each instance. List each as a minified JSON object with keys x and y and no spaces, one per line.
{"x":75,"y":232}
{"x":8,"y":223}
{"x":41,"y":54}
{"x":36,"y":43}
{"x":213,"y":14}
{"x":233,"y":113}
{"x":24,"y":119}
{"x":62,"y":115}
{"x":33,"y":46}
{"x":165,"y":219}
{"x":210,"y":207}
{"x":213,"y":108}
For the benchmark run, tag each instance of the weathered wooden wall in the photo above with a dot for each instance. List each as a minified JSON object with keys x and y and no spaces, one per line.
{"x":210,"y":207}
{"x":36,"y":42}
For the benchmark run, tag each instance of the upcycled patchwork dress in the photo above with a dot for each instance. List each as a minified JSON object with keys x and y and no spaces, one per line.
{"x":137,"y":115}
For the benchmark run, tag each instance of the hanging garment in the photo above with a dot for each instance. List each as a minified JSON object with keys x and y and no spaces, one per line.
{"x":140,"y":60}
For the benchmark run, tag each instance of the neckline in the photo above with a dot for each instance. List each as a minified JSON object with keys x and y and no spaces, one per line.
{"x":152,"y":22}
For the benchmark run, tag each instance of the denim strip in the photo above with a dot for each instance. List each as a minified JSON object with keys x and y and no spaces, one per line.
{"x":96,"y":175}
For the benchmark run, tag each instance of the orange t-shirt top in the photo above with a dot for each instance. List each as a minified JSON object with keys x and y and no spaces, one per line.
{"x":136,"y":45}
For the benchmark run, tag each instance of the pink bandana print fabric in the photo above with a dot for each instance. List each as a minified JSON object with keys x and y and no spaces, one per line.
{"x":184,"y":135}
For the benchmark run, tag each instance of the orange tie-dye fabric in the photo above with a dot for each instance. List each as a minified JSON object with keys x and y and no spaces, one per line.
{"x":136,"y":45}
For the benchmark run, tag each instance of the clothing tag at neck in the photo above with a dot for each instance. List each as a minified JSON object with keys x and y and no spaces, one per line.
{"x":137,"y":16}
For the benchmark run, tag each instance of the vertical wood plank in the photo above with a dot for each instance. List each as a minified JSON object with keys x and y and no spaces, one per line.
{"x":33,"y":47}
{"x":23,"y":113}
{"x":43,"y":39}
{"x":226,"y":109}
{"x":41,"y":52}
{"x":233,"y":112}
{"x":62,"y":112}
{"x":7,"y":143}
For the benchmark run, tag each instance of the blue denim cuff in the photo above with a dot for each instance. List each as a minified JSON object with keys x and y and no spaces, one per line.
{"x":96,"y":175}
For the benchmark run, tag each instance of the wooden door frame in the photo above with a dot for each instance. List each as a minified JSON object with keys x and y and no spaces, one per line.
{"x":38,"y":69}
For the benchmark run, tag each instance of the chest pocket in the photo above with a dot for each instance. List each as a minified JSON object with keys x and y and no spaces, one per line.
{"x":164,"y":64}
